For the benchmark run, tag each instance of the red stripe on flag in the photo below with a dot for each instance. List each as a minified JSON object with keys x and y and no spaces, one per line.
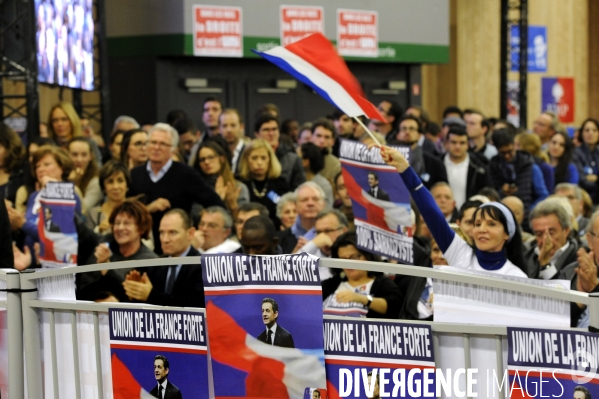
{"x":124,"y":385}
{"x":375,"y":215}
{"x":317,"y":50}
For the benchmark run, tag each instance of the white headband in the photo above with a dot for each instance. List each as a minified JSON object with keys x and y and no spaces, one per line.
{"x":511,"y":224}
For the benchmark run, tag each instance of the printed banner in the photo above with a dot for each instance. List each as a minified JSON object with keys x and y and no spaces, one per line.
{"x":156,"y":352}
{"x":265,"y":325}
{"x":475,"y":304}
{"x":298,"y":22}
{"x":558,"y":97}
{"x":537,"y":48}
{"x":403,"y":352}
{"x":552,"y":363}
{"x":357,"y":33}
{"x":217,"y":31}
{"x":380,"y":200}
{"x":55,"y":207}
{"x":513,"y":102}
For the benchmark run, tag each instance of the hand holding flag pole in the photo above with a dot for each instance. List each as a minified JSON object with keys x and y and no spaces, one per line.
{"x":314,"y":61}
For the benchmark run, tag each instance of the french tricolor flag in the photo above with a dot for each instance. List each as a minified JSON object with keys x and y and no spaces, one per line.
{"x":314,"y":61}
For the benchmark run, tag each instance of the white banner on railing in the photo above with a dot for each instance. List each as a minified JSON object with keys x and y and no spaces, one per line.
{"x":475,"y":304}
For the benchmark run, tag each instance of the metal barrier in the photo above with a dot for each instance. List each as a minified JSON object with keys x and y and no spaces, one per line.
{"x":10,"y":299}
{"x":34,"y":309}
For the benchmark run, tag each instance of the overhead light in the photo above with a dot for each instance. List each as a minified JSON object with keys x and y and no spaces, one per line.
{"x":195,"y":82}
{"x":286,"y":84}
{"x":271,"y":90}
{"x":397,"y":85}
{"x":200,"y":85}
{"x":207,"y":90}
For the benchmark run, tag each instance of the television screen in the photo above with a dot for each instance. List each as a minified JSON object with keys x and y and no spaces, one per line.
{"x":65,"y":43}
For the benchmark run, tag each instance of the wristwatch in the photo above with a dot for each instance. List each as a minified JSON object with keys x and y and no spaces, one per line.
{"x":369,"y":297}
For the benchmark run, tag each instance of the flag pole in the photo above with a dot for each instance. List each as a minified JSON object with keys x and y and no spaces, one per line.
{"x":367,"y":130}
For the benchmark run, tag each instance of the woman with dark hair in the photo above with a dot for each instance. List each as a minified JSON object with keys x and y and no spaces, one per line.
{"x":561,"y":151}
{"x":213,"y":165}
{"x":85,"y":174}
{"x":313,"y":162}
{"x":134,"y":148}
{"x":359,"y":293}
{"x":114,"y":180}
{"x":30,"y":181}
{"x":586,"y":157}
{"x":12,"y":156}
{"x":497,"y":239}
{"x":130,"y":223}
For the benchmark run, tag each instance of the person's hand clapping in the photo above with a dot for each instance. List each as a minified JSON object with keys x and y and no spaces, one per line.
{"x":102,"y":253}
{"x":161,"y":204}
{"x":346,"y":296}
{"x":586,"y":271}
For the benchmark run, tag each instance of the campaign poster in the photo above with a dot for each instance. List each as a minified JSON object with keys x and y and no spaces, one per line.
{"x":557,"y":95}
{"x":264,"y":320}
{"x":380,"y":201}
{"x":55,"y":207}
{"x":537,"y":48}
{"x":513,"y":102}
{"x":298,"y":22}
{"x":552,"y":363}
{"x":217,"y":31}
{"x":358,"y":33}
{"x":356,"y":347}
{"x":476,"y":304}
{"x":156,"y":352}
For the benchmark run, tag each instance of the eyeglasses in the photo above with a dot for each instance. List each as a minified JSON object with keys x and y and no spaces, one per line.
{"x":328,"y":231}
{"x":208,"y":158}
{"x":159,"y":143}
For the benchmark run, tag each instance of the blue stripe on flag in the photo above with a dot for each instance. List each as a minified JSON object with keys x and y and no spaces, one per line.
{"x":284,"y":65}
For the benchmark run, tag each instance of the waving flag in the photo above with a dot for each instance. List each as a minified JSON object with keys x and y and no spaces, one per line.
{"x":314,"y":61}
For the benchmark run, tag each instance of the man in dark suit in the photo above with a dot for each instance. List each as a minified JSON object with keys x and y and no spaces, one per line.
{"x":176,"y":285}
{"x":164,"y":389}
{"x":375,"y":190}
{"x":49,"y":225}
{"x":274,"y":334}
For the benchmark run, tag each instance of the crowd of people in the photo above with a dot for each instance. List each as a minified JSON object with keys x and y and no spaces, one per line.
{"x":486,"y":196}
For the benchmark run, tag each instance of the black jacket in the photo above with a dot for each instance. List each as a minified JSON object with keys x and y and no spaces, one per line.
{"x":287,"y":241}
{"x":282,"y":338}
{"x":6,"y":254}
{"x":188,"y":290}
{"x":434,"y":171}
{"x":171,"y":391}
{"x":382,"y":287}
{"x":478,"y":176}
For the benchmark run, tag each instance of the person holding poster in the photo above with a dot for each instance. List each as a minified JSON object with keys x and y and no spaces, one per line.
{"x":360,"y":293}
{"x":497,"y":241}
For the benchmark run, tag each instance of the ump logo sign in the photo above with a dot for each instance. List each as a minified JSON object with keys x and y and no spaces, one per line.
{"x":558,"y":97}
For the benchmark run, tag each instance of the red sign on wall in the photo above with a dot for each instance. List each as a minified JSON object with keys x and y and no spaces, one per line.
{"x":557,"y":95}
{"x":298,"y":22}
{"x":217,"y":31}
{"x":357,"y":33}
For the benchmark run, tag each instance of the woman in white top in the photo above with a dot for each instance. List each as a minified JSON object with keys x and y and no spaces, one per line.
{"x":497,"y":240}
{"x":85,"y":173}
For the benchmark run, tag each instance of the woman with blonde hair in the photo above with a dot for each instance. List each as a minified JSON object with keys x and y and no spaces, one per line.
{"x":260,"y":171}
{"x":64,"y":125}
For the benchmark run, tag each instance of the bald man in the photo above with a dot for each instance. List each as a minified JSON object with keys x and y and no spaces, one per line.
{"x":517,"y":207}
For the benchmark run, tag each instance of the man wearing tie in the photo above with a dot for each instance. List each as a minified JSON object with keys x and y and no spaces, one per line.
{"x":176,"y":285}
{"x":48,"y":223}
{"x":274,"y":334}
{"x":375,"y":191}
{"x":164,"y":389}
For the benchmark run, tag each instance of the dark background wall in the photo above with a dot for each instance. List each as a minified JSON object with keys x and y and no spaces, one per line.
{"x":147,"y":88}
